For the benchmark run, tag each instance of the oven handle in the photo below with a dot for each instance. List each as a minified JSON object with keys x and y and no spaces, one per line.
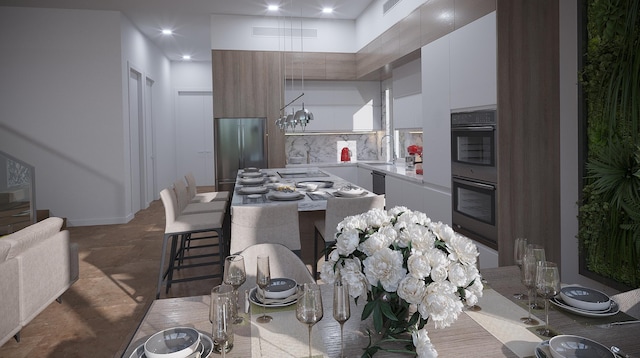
{"x":475,"y":184}
{"x":473,"y":129}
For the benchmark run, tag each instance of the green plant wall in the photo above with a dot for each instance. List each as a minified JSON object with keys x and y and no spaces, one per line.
{"x":609,"y":213}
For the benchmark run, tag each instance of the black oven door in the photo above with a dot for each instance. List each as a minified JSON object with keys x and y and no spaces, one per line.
{"x":474,"y":210}
{"x":473,"y":152}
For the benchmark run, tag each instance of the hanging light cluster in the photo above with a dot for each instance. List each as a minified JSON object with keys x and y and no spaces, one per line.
{"x":303,"y":116}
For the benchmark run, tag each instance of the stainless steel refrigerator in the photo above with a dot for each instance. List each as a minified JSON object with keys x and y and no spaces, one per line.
{"x":240,"y":143}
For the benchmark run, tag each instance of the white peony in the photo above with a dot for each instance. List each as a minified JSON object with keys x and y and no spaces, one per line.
{"x":418,"y":266}
{"x":347,"y":242}
{"x":441,"y":303}
{"x":458,"y":275}
{"x":462,"y":249}
{"x":412,"y":289}
{"x":376,"y":241}
{"x":385,"y":267}
{"x":422,"y":342}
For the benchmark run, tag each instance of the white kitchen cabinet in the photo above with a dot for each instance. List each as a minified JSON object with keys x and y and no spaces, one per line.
{"x":348,"y":172}
{"x":407,"y":96}
{"x":474,"y":64}
{"x":401,"y":192}
{"x":338,"y":105}
{"x":436,"y":135}
{"x":365,"y":179}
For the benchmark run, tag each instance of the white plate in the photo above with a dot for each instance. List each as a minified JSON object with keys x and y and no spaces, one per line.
{"x":250,"y":170}
{"x":350,"y":193}
{"x":205,"y":348}
{"x":251,"y":181}
{"x":585,"y":298}
{"x":253,"y":190}
{"x":285,"y":302}
{"x":586,"y":313}
{"x":251,"y":175}
{"x":282,"y":195}
{"x":544,"y":347}
{"x":575,"y":346}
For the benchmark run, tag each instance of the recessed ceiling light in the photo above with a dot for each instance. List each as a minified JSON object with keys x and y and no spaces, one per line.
{"x":327,"y":10}
{"x":273,"y":7}
{"x":167,"y":32}
{"x":186,"y":57}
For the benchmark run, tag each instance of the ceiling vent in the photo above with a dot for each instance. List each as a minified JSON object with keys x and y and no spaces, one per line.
{"x":388,"y":5}
{"x":279,"y":32}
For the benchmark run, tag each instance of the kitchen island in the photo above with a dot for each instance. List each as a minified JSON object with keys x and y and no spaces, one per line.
{"x":311,"y":205}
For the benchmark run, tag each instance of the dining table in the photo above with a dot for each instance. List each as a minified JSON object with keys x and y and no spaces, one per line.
{"x":493,"y":329}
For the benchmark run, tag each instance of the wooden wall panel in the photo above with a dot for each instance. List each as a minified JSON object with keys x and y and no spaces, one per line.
{"x":432,"y":23}
{"x":528,"y":125}
{"x":340,"y":66}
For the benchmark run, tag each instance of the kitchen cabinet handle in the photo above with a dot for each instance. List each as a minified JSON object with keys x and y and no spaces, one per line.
{"x":473,"y":129}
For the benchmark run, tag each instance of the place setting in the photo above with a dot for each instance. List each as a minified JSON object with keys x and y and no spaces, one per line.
{"x":285,"y":193}
{"x":585,"y":302}
{"x":176,"y":342}
{"x":350,"y":191}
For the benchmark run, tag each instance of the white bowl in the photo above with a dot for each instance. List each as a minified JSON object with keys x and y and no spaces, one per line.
{"x":568,"y":346}
{"x":585,"y":298}
{"x":279,"y":288}
{"x":176,"y":342}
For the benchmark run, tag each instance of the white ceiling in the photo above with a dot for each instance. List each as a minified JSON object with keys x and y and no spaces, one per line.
{"x":190,"y":19}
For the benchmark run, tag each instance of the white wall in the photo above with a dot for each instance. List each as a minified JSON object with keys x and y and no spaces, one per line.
{"x":60,"y":108}
{"x":63,"y":106}
{"x":235,"y":32}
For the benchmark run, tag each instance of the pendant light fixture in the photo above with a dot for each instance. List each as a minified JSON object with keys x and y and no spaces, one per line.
{"x":302,"y":116}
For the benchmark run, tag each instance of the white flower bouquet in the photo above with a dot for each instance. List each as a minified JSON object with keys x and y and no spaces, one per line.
{"x":409,"y":269}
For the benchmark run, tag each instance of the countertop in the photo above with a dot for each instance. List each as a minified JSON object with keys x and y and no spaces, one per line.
{"x":397,"y":170}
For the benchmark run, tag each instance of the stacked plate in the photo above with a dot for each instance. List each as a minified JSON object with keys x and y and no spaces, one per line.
{"x":350,"y":192}
{"x":286,"y":195}
{"x":281,"y":292}
{"x":569,"y":346}
{"x":251,"y":181}
{"x":253,"y":190}
{"x":585,"y":301}
{"x":177,"y":342}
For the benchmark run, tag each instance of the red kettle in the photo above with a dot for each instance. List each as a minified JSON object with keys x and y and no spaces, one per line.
{"x":345,"y":155}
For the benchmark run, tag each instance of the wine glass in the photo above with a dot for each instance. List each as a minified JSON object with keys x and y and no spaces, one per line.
{"x":519,"y":246}
{"x":235,"y":275}
{"x":309,"y":307}
{"x":538,"y":253}
{"x":221,"y":318}
{"x":263,"y":278}
{"x":528,"y":278}
{"x":341,"y":307}
{"x":547,"y":285}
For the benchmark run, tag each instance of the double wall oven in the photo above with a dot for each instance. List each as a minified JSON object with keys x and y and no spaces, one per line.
{"x":474,"y":175}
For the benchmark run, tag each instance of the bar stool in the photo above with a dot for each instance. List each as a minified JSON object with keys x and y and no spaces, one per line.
{"x":183,"y":226}
{"x":337,"y":210}
{"x":196,"y":197}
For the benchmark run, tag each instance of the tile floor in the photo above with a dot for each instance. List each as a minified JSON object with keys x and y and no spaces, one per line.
{"x":100,"y":312}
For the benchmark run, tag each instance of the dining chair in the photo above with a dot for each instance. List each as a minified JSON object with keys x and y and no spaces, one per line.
{"x":187,"y":207}
{"x":283,"y":263}
{"x":256,"y":224}
{"x":205,"y":197}
{"x":337,"y":210}
{"x":182,"y":226}
{"x":629,"y":302}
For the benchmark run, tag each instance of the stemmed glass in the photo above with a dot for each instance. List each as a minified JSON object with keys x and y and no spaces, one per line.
{"x":538,"y":253}
{"x":528,"y":278}
{"x":519,"y":246}
{"x":221,"y":318}
{"x":263,"y":278}
{"x":309,"y":307}
{"x":235,"y":275}
{"x":547,"y":285}
{"x":341,"y":307}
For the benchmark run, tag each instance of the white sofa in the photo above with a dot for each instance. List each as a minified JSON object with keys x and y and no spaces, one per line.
{"x":37,"y":265}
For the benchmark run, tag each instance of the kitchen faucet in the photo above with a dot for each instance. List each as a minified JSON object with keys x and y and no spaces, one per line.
{"x":393,"y":149}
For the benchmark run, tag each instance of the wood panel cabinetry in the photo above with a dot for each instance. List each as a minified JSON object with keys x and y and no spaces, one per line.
{"x":320,"y":65}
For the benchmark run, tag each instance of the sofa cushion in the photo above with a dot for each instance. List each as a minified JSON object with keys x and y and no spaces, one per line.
{"x":31,"y":235}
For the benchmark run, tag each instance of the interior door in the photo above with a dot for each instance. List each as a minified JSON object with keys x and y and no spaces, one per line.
{"x":194,"y":133}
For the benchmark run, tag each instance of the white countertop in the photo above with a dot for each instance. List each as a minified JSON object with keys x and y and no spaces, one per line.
{"x":274,"y":179}
{"x":397,"y":170}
